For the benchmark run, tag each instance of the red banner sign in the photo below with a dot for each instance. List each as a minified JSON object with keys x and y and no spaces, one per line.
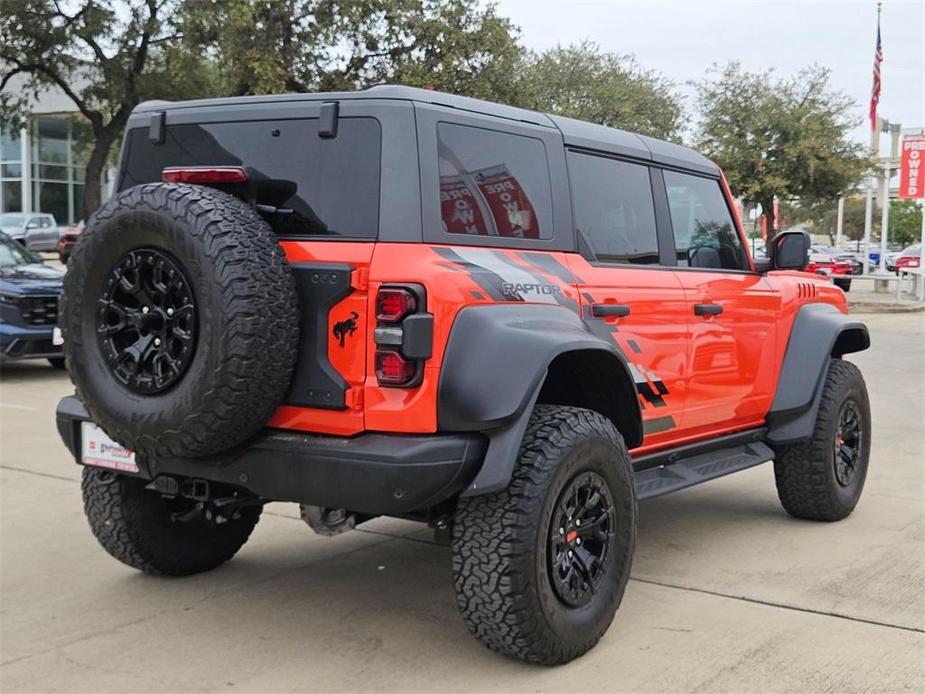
{"x":911,"y":176}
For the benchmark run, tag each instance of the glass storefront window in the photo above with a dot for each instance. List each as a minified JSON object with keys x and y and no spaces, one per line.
{"x":11,"y":200}
{"x":52,"y":141}
{"x":78,"y":203}
{"x":10,"y":146}
{"x":54,"y":181}
{"x":55,"y":173}
{"x":52,"y":198}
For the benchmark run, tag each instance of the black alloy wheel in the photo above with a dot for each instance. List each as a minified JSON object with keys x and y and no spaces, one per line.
{"x":579,"y":538}
{"x":848,"y":442}
{"x":147,"y":321}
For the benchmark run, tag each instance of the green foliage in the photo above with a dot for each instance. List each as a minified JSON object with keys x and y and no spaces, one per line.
{"x":267,"y":46}
{"x":582,"y":82}
{"x":905,"y":222}
{"x":105,"y":56}
{"x":779,"y":137}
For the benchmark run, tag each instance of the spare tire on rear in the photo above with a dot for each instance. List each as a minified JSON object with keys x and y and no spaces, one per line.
{"x":180,"y":319}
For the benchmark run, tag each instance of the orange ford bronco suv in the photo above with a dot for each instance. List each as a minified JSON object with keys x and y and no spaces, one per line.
{"x":509,"y":325}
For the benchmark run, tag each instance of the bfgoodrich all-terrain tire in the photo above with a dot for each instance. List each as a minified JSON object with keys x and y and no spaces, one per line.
{"x":822,"y":479}
{"x":141,"y":528}
{"x":540,"y":567}
{"x":180,"y":319}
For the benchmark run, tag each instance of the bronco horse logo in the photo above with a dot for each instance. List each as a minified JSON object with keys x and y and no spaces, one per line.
{"x":346,"y":327}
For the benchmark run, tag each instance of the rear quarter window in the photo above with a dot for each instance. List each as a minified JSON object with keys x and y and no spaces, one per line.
{"x":493,"y":183}
{"x":330,"y":185}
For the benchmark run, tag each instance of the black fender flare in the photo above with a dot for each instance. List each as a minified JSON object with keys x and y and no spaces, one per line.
{"x":494,"y":366}
{"x":819,"y":334}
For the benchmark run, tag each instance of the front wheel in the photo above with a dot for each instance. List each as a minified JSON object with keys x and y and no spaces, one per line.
{"x":540,"y":567}
{"x":159,"y":535}
{"x":822,"y":478}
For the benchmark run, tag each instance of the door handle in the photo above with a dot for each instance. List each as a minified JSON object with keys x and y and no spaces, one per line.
{"x":707,"y":309}
{"x":609,"y":310}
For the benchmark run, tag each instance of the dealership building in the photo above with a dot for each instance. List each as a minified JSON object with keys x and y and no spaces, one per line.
{"x":42,"y":164}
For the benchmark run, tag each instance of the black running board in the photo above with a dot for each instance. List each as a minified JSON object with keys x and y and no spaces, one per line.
{"x":672,"y":473}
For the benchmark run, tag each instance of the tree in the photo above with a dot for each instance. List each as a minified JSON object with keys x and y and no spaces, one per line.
{"x":905,"y":222}
{"x":267,"y":46}
{"x":775,"y":137}
{"x":104,"y":56}
{"x":582,"y":82}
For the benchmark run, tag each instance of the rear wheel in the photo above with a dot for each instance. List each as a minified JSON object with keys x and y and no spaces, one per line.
{"x":540,"y":567}
{"x":159,"y":535}
{"x":822,"y":479}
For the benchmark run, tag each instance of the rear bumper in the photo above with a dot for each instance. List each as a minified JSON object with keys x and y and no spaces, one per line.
{"x":369,"y":473}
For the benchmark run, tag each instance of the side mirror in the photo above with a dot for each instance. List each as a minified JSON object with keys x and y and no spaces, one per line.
{"x":790,"y":250}
{"x":32,"y":224}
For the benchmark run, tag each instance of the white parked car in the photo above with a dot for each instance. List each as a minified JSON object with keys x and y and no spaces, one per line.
{"x":38,"y":231}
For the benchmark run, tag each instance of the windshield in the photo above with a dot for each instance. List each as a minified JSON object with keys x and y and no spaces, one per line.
{"x":12,"y":254}
{"x":12,"y":221}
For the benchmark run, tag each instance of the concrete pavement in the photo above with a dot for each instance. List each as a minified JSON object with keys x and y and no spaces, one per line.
{"x":728,"y":592}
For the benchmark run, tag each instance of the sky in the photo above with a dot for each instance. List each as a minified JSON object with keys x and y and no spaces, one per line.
{"x":683,"y":38}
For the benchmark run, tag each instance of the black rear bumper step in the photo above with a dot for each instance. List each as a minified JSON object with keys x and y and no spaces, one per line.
{"x":679,"y":473}
{"x":369,"y":473}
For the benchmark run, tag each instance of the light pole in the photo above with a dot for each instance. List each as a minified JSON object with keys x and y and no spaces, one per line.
{"x":840,"y":221}
{"x":894,"y":130}
{"x":869,"y":202}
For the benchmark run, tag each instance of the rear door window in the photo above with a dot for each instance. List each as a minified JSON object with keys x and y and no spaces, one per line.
{"x":614,"y":210}
{"x":327,"y":187}
{"x":704,"y":233}
{"x":493,"y":183}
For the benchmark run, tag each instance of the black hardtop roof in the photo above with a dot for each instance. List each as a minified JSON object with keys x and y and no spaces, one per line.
{"x":576,"y":133}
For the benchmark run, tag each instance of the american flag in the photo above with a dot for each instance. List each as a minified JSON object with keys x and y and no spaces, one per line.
{"x":875,"y":92}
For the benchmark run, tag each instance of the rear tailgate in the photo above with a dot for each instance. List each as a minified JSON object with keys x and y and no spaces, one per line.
{"x":327,"y":389}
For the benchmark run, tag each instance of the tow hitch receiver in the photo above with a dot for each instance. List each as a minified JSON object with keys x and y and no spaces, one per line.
{"x":213,"y":509}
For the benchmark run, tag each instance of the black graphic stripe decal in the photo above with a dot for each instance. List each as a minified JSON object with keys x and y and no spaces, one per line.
{"x":653,"y":398}
{"x":658,"y":424}
{"x":543,"y":282}
{"x":490,"y":282}
{"x":549,"y":265}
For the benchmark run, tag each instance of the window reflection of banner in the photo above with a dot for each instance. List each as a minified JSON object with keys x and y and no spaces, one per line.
{"x":460,"y":212}
{"x":510,"y":208}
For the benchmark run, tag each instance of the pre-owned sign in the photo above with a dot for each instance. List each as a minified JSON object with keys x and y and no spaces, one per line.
{"x":911,"y":181}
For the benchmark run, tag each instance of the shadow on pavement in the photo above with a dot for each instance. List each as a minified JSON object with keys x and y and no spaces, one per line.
{"x":30,"y":371}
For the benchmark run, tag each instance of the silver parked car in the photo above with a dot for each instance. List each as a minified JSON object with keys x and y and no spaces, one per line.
{"x":38,"y":231}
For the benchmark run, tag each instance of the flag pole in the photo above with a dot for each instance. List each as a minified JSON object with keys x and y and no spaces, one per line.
{"x":871,"y":180}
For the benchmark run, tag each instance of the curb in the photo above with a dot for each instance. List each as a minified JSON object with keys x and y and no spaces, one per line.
{"x":864,"y":307}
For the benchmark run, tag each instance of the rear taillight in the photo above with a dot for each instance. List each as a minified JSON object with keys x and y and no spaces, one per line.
{"x":204,"y":174}
{"x":403,"y":335}
{"x":392,"y":369}
{"x":394,"y":303}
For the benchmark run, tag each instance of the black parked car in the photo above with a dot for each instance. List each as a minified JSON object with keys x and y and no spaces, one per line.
{"x":29,"y":293}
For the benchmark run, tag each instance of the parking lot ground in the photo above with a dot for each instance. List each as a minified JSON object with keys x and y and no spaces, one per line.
{"x":728,"y":592}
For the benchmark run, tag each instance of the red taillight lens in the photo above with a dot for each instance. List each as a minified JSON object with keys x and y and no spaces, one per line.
{"x":393,"y":369}
{"x":393,"y":304}
{"x":204,"y":174}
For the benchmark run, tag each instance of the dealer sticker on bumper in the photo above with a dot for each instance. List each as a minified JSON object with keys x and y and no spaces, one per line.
{"x":99,"y":450}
